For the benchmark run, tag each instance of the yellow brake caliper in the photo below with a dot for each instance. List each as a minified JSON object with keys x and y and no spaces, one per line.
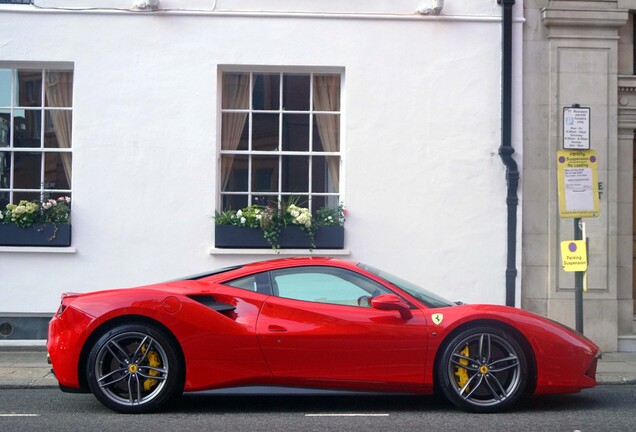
{"x":461,"y":374}
{"x":153,"y":361}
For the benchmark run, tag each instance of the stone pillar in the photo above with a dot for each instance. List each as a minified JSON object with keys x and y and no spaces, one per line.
{"x":626,"y":128}
{"x":581,"y":40}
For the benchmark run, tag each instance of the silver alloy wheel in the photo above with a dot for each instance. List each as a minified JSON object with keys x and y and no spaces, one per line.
{"x":484,"y":369}
{"x":131,"y":368}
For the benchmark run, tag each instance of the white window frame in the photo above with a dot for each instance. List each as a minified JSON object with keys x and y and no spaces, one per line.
{"x":279,"y":194}
{"x":42,"y":190}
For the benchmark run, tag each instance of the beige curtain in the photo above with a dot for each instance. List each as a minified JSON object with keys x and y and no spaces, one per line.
{"x":327,"y":98}
{"x":59,"y":93}
{"x":235,"y":95}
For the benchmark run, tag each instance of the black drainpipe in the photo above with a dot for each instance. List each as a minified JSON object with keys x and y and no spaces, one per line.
{"x":506,"y":151}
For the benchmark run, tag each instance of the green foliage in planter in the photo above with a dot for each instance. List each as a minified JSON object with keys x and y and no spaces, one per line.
{"x":271,"y":219}
{"x":27,"y":213}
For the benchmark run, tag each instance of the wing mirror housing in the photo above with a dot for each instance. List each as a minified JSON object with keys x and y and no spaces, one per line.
{"x":391,"y":302}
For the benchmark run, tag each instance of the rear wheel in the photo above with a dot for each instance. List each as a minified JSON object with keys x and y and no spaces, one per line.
{"x":483,"y":370}
{"x":134,"y":368}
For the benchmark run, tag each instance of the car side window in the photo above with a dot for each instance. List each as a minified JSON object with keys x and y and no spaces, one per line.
{"x":325,"y":285}
{"x":257,"y":282}
{"x":247,"y":283}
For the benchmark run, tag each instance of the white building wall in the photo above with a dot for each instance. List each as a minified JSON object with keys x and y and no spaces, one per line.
{"x":423,"y":184}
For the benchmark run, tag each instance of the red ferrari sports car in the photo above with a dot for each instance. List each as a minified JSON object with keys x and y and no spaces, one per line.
{"x":308,"y":322}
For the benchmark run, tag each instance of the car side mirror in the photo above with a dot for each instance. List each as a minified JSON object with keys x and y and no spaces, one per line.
{"x":391,"y":302}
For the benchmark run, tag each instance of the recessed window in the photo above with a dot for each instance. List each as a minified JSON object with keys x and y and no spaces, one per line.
{"x":280,"y":138}
{"x":36,"y":114}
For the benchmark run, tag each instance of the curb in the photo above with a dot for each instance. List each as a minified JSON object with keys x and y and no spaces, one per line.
{"x":616,"y":381}
{"x":29,"y":386}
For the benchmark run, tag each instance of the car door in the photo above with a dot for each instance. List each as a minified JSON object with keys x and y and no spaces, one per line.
{"x":319,"y":325}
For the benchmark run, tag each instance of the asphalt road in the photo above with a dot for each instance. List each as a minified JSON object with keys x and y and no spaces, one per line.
{"x":604,"y":408}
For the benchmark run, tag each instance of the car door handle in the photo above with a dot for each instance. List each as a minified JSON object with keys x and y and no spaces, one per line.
{"x":277,"y":328}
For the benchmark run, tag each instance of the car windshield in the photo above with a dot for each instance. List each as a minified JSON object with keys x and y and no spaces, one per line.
{"x":426,"y":297}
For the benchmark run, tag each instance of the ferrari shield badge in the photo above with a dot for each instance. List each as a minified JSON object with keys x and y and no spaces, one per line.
{"x":437,"y":318}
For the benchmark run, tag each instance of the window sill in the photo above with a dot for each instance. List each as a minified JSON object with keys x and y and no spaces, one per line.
{"x":295,"y":252}
{"x":36,"y":249}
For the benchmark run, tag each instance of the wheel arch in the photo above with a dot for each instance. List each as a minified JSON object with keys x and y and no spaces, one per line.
{"x":519,"y":338}
{"x":112,"y":323}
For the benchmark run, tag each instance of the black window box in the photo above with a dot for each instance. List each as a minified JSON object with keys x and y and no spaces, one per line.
{"x":291,"y":237}
{"x":39,"y":234}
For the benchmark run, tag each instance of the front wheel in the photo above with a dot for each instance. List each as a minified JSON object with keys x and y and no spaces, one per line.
{"x":483,"y":370}
{"x":134,"y":368}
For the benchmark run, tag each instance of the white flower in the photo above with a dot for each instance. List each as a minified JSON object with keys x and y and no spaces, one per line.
{"x":239,"y":213}
{"x":243,"y":221}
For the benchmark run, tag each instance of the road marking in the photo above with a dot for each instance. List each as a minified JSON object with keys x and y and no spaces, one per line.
{"x":19,"y":415}
{"x":346,"y":415}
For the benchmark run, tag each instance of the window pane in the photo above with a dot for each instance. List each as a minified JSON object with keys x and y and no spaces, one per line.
{"x":4,"y":129}
{"x":235,"y":91}
{"x":59,"y":89}
{"x":5,"y":171}
{"x":325,"y":174}
{"x":246,"y":283}
{"x":327,"y":92}
{"x":4,"y":200}
{"x":323,"y":285}
{"x":265,"y":200}
{"x":264,"y":173}
{"x":296,"y":132}
{"x":295,"y":174}
{"x":298,"y":199}
{"x":27,"y":196}
{"x":30,"y":88}
{"x":326,"y":133}
{"x":5,"y":87}
{"x":296,"y":92}
{"x":47,"y":195}
{"x":234,"y":131}
{"x":318,"y":202}
{"x":264,"y":132}
{"x":234,"y":169}
{"x":266,"y":94}
{"x":28,"y":129}
{"x":27,"y":169}
{"x":57,"y":171}
{"x":57,"y":129}
{"x":234,"y":202}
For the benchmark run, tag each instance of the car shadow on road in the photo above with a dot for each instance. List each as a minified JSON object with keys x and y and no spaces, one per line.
{"x":291,"y":400}
{"x":331,"y":402}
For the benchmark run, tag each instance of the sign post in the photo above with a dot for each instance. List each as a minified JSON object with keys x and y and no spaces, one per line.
{"x":577,"y":178}
{"x":578,"y":280}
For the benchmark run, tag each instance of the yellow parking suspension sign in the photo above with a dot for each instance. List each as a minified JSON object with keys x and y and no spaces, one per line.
{"x":574,"y":255}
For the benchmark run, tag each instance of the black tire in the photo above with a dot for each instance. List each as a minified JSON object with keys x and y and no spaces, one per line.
{"x":482,"y":370}
{"x":134,"y":368}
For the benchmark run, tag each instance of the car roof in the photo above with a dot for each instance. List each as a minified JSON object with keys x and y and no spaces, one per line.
{"x":257,"y":266}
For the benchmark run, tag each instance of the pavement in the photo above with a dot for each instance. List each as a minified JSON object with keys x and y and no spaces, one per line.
{"x":26,"y":367}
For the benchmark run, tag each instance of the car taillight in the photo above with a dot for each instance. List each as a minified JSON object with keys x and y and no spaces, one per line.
{"x":60,"y":310}
{"x":66,"y":298}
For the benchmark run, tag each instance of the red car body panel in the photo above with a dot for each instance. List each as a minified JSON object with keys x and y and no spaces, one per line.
{"x":321,"y":343}
{"x":269,"y":340}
